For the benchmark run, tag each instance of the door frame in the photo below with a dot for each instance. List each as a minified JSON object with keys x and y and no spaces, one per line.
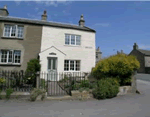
{"x":56,"y":62}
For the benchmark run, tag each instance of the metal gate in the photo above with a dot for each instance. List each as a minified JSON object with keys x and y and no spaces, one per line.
{"x":58,"y":84}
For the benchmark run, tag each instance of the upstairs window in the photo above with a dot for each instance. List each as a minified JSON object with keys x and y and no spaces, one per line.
{"x":10,"y":56}
{"x":13,"y":31}
{"x":72,"y":39}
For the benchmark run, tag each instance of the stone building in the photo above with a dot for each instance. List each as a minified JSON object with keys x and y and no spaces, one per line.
{"x":98,"y":54}
{"x":60,"y":47}
{"x":143,"y":57}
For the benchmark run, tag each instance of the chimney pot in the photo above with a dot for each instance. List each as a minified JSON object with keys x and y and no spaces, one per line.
{"x":5,"y":7}
{"x":4,"y":11}
{"x":44,"y":16}
{"x":81,"y":21}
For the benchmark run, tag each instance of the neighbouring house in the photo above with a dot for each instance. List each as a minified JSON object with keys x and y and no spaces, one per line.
{"x":143,"y":56}
{"x":60,"y":47}
{"x":98,"y":55}
{"x":121,"y":52}
{"x":20,"y":41}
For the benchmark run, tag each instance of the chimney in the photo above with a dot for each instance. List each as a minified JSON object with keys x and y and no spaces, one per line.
{"x":81,"y":21}
{"x":118,"y":52}
{"x":135,"y":46}
{"x":44,"y":16}
{"x":4,"y":11}
{"x":98,"y":49}
{"x":121,"y":51}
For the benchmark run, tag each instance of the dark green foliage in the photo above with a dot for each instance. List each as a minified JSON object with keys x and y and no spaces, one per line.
{"x":9,"y":91}
{"x":84,"y":84}
{"x":33,"y":66}
{"x":106,"y":88}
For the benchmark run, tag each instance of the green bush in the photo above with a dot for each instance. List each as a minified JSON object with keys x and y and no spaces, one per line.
{"x":35,"y":93}
{"x":120,"y":65}
{"x":33,"y":66}
{"x":106,"y":88}
{"x":85,"y":83}
{"x":2,"y":80}
{"x":9,"y":91}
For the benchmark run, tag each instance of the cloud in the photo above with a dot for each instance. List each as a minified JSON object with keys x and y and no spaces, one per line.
{"x":17,"y":2}
{"x":53,"y":3}
{"x":102,"y":24}
{"x":65,"y":12}
{"x":130,"y":46}
{"x":36,"y":8}
{"x":143,"y":46}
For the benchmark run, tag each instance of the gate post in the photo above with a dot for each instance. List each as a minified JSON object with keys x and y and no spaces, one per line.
{"x":70,"y":83}
{"x":134,"y":86}
{"x":37,"y":79}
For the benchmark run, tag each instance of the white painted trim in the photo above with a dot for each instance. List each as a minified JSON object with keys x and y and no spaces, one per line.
{"x":16,"y":33}
{"x":13,"y":58}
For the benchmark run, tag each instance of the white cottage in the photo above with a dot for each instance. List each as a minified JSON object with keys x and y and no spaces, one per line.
{"x":67,"y":48}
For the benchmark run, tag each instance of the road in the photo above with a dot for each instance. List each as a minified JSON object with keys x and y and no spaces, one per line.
{"x":122,"y":106}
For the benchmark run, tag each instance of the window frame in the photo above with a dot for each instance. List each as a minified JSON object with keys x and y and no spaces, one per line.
{"x":75,"y":61}
{"x":16,"y":31}
{"x":70,"y":39}
{"x":7,"y":59}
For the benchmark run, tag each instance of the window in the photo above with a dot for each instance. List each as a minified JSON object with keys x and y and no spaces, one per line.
{"x":78,"y":40}
{"x":10,"y":56}
{"x":72,"y":65}
{"x":67,"y":39}
{"x":13,"y":31}
{"x":96,"y":55}
{"x":72,"y":39}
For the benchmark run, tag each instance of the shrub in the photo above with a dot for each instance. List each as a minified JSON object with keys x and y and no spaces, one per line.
{"x":33,"y":66}
{"x":35,"y":93}
{"x":106,"y":88}
{"x":9,"y":91}
{"x":2,"y":80}
{"x":120,"y":65}
{"x":65,"y":79}
{"x":85,"y":83}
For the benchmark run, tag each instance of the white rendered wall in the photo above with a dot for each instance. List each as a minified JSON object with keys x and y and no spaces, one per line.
{"x":52,"y":36}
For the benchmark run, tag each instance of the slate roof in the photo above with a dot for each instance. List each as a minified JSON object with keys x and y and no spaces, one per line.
{"x":145,"y":52}
{"x":44,"y":23}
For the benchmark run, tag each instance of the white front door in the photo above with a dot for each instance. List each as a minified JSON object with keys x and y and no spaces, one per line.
{"x":52,"y":69}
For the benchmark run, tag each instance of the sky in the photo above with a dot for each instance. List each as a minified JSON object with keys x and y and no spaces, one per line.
{"x":118,"y":24}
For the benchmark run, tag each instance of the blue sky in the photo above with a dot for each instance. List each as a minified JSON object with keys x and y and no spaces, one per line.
{"x":118,"y":24}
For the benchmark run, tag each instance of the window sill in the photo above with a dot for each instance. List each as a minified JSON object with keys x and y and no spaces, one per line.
{"x":10,"y":64}
{"x":73,"y":45}
{"x":72,"y":71}
{"x":12,"y":38}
